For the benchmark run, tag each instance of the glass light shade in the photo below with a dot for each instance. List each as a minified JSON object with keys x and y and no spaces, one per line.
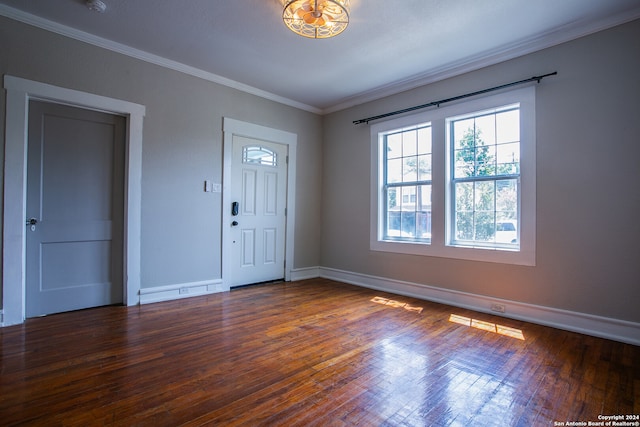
{"x":316,"y":19}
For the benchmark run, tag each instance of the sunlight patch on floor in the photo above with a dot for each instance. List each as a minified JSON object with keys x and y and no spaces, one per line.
{"x":487,"y":326}
{"x":396,"y":304}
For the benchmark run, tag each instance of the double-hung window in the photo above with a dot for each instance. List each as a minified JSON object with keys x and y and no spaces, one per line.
{"x":458,"y":181}
{"x":484,"y":151}
{"x":407,"y":184}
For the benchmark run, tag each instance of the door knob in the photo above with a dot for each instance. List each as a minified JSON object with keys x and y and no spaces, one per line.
{"x":234,"y":223}
{"x":31,"y":222}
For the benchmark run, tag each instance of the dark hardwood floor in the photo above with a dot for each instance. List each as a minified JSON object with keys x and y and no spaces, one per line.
{"x":314,"y":352}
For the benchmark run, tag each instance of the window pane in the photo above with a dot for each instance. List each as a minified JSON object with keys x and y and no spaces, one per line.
{"x":465,"y":163}
{"x":464,"y":226}
{"x":408,"y":198}
{"x":507,"y":211}
{"x":394,"y":145}
{"x":484,"y":226}
{"x":393,"y":212}
{"x":486,"y":128}
{"x":508,"y":158}
{"x":408,"y":217}
{"x":463,"y":133}
{"x":484,"y":192}
{"x":506,"y":231}
{"x":424,"y":167}
{"x":423,"y":212}
{"x":424,"y":140}
{"x":410,"y":169}
{"x":409,"y":143}
{"x":485,"y":160}
{"x":464,"y":197}
{"x":408,"y":224}
{"x":508,"y":126}
{"x":392,"y":198}
{"x":394,"y":171}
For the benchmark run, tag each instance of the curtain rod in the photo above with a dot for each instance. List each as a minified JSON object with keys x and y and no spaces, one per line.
{"x":455,"y":98}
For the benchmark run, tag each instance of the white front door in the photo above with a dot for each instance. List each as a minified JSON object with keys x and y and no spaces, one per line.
{"x":75,"y":209}
{"x":257,"y":211}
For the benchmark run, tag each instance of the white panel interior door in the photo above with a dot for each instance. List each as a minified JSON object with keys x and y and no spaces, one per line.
{"x":259,"y":199}
{"x":75,"y":193}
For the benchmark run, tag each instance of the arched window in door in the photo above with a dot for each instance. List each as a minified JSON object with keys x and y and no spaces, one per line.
{"x":259,"y":155}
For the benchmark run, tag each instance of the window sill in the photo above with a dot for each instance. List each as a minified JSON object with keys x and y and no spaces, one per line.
{"x":482,"y":254}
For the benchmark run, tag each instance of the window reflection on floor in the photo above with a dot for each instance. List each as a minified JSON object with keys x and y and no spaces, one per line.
{"x":487,"y":326}
{"x":401,"y":379}
{"x":475,"y":397}
{"x":396,"y":304}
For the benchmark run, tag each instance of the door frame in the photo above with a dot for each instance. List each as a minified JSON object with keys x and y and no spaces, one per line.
{"x":231,"y":128}
{"x":18,"y":93}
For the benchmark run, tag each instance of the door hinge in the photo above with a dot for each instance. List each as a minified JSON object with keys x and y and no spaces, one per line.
{"x":285,"y":211}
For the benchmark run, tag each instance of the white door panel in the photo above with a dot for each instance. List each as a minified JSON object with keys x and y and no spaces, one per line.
{"x":75,"y":188}
{"x":259,"y":185}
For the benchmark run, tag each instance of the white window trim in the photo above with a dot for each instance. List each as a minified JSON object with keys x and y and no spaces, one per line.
{"x":439,"y":203}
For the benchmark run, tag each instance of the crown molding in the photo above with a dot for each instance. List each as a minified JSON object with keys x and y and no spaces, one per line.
{"x":564,"y":34}
{"x":45,"y":24}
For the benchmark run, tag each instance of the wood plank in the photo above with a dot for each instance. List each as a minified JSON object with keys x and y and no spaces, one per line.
{"x":313,"y":352}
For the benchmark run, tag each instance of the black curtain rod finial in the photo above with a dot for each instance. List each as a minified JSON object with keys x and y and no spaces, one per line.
{"x":455,"y":98}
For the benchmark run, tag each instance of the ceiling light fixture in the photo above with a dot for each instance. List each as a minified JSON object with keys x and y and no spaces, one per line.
{"x":316,"y":19}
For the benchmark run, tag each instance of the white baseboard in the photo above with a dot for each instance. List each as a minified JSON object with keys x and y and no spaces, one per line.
{"x":305,"y":273}
{"x":181,"y":290}
{"x":192,"y":289}
{"x":603,"y":327}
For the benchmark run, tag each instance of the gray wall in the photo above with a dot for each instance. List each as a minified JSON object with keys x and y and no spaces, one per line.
{"x":182,"y":146}
{"x":588,"y":183}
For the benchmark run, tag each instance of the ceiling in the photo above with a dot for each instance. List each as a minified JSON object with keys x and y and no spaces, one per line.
{"x":388,"y":47}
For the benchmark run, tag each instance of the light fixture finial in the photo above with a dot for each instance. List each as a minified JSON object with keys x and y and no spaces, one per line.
{"x":96,"y":5}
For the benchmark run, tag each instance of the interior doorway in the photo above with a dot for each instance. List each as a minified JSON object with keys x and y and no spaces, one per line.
{"x":18,"y":94}
{"x":75,"y":199}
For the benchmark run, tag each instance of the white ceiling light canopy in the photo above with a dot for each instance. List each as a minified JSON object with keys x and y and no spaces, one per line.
{"x":316,"y":19}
